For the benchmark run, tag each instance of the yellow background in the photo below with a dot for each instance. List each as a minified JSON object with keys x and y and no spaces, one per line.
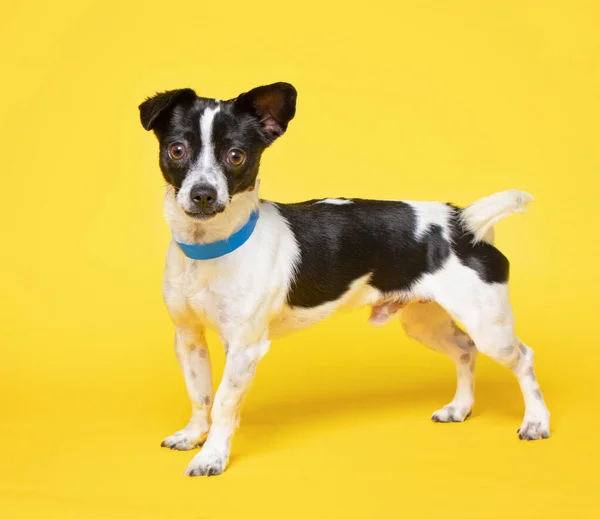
{"x":410,"y":100}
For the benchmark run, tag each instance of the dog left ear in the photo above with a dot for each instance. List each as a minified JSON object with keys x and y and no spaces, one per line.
{"x":273,"y":105}
{"x":154,"y":108}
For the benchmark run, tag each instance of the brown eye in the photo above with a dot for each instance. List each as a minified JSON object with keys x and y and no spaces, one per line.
{"x":236,"y":157}
{"x":177,"y":151}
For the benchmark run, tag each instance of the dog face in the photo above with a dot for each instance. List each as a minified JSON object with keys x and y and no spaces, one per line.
{"x":210,"y":150}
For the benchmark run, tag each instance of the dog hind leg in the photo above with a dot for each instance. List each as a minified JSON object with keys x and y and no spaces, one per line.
{"x":430,"y":324}
{"x":486,"y":313}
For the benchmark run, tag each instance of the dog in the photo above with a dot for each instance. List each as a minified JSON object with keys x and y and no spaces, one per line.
{"x":254,"y":270}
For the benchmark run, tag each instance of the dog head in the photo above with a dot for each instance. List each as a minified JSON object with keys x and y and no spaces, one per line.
{"x":210,"y":150}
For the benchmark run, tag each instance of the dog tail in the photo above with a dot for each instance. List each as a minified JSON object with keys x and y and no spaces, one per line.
{"x":480,"y":217}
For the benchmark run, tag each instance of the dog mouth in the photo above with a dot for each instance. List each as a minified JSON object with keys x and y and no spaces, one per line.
{"x":204,"y":214}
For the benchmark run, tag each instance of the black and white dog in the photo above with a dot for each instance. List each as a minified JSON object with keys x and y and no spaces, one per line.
{"x":254,"y":270}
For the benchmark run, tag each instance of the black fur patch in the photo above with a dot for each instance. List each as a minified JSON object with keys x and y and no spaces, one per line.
{"x":250,"y":122}
{"x":230,"y":130}
{"x":485,"y":259}
{"x":340,"y":243}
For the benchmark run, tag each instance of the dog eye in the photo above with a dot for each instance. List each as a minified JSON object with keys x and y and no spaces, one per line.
{"x":177,"y":151}
{"x":236,"y":157}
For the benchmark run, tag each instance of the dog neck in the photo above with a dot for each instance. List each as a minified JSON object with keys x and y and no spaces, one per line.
{"x":188,"y":230}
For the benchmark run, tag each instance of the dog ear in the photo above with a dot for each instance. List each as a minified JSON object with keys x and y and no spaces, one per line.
{"x":273,"y":105}
{"x":153,"y":108}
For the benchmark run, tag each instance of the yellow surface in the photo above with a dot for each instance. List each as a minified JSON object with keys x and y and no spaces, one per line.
{"x":413,"y":100}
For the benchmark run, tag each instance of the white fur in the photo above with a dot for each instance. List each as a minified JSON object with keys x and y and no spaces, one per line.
{"x":334,"y":201}
{"x":193,"y":357}
{"x":222,"y":225}
{"x":289,"y":319}
{"x":243,"y":297}
{"x":481,"y":216}
{"x":485,"y":311}
{"x":206,"y":170}
{"x":431,"y":213}
{"x":430,"y":324}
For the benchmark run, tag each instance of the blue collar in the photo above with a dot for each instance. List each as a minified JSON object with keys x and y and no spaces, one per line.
{"x":217,"y":249}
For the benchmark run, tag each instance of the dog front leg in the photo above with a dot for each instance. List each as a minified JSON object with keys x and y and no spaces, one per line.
{"x":238,"y":374}
{"x":193,"y":357}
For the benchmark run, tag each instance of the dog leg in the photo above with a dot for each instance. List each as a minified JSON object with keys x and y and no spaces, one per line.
{"x":487,"y":315}
{"x":430,"y":324}
{"x":536,"y":423}
{"x":240,"y":368}
{"x":193,"y":357}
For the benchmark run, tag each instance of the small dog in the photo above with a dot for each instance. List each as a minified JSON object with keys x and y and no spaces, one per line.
{"x":254,"y":270}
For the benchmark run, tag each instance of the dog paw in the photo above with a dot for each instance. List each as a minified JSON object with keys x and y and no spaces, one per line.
{"x":451,"y":413}
{"x":534,"y":428}
{"x":185,"y":440}
{"x":207,"y":463}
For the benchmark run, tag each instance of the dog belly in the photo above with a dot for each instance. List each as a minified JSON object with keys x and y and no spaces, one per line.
{"x":290,"y":319}
{"x":359,"y":294}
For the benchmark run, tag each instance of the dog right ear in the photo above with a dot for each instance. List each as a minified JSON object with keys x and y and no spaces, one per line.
{"x":153,"y":109}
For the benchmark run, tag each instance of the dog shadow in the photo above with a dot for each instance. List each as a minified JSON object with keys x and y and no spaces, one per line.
{"x":266,"y":425}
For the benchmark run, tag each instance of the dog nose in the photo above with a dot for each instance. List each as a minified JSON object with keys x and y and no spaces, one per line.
{"x":204,"y":197}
